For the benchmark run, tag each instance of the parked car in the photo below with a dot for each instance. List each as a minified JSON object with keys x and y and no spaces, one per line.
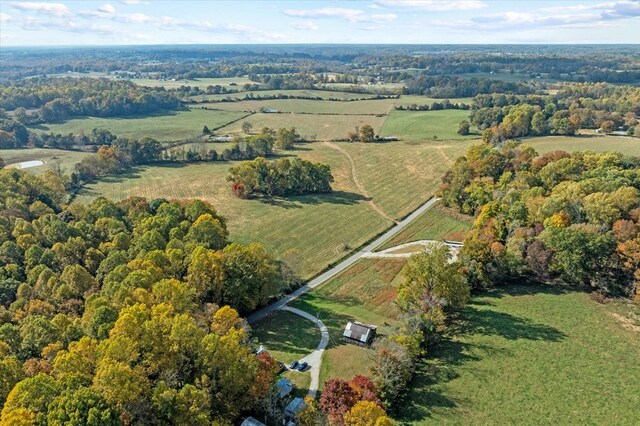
{"x":294,"y":365}
{"x":302,"y":366}
{"x":281,"y":367}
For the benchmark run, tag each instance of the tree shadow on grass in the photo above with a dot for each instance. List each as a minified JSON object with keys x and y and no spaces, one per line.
{"x":427,"y":396}
{"x":297,"y":202}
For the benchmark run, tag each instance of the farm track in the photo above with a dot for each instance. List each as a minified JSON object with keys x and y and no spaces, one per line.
{"x":359,"y":185}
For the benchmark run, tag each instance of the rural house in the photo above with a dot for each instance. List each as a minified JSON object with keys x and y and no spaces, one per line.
{"x":359,"y":333}
{"x":285,"y":387}
{"x":250,"y":421}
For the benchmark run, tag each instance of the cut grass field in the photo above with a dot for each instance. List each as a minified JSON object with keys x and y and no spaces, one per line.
{"x":406,"y":100}
{"x":400,"y":175}
{"x":530,"y":355}
{"x":201,"y":83}
{"x":365,"y":292}
{"x":170,"y":126}
{"x":50,"y":157}
{"x":626,"y":145}
{"x":437,"y":223}
{"x":286,"y":336}
{"x":309,"y":126}
{"x":302,"y":230}
{"x":423,"y":125}
{"x":367,"y":107}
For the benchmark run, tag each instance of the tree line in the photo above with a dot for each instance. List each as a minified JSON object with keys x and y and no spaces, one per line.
{"x":575,"y":106}
{"x":57,"y":99}
{"x":126,"y":313}
{"x":556,"y":217}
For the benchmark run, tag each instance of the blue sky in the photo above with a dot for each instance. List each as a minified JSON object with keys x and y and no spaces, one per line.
{"x":367,"y":21}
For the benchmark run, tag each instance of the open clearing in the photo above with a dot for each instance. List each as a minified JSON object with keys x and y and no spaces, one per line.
{"x":422,"y":125}
{"x":50,"y":157}
{"x":366,"y":107}
{"x":531,"y":355}
{"x":300,"y":230}
{"x":201,"y":83}
{"x":626,"y":145}
{"x":437,"y":223}
{"x":170,"y":126}
{"x":365,"y":292}
{"x":400,"y":175}
{"x":309,"y":126}
{"x":406,"y":100}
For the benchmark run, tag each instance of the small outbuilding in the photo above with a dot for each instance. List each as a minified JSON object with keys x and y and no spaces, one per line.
{"x":250,"y":421}
{"x":359,"y":333}
{"x":294,"y":407}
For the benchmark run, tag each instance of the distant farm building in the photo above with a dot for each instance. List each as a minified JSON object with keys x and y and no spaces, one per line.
{"x":359,"y":333}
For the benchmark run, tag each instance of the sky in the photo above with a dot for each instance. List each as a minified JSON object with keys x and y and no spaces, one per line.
{"x":126,"y":22}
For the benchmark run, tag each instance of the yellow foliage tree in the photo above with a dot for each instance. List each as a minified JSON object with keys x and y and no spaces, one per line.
{"x":366,"y":413}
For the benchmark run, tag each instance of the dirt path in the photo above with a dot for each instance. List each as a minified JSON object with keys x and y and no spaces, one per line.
{"x":359,"y":185}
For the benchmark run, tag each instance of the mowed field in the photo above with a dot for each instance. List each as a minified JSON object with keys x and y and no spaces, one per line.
{"x":309,"y":232}
{"x":626,"y":145}
{"x":532,"y":355}
{"x":367,"y":107}
{"x":401,"y":175}
{"x":201,"y":83}
{"x":65,"y":159}
{"x":422,"y":125}
{"x":171,"y":126}
{"x":309,"y":126}
{"x":437,"y":223}
{"x":406,"y":100}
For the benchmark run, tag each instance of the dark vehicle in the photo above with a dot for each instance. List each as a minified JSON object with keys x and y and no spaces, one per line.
{"x":302,"y":366}
{"x":281,"y":367}
{"x":294,"y":365}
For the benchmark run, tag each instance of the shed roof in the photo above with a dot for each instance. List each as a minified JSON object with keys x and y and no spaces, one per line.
{"x":295,"y":406}
{"x":250,"y":421}
{"x":359,"y":331}
{"x":284,"y":387}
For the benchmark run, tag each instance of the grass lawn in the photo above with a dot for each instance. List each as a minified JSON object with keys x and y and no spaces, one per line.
{"x":66,"y":159}
{"x":423,"y":125}
{"x":178,"y":125}
{"x":366,"y":107}
{"x":531,"y":355}
{"x":365,"y":292}
{"x":310,"y":126}
{"x":287,"y":336}
{"x":400,"y":175}
{"x":437,"y":223}
{"x":406,"y":100}
{"x":324,"y":94}
{"x":598,"y":143}
{"x":300,"y":230}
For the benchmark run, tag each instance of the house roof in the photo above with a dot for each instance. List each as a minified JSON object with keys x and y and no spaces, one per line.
{"x":359,"y":331}
{"x":284,"y":387}
{"x":250,"y":421}
{"x":295,"y":406}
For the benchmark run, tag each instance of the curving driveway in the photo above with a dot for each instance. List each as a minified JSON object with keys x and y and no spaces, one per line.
{"x":314,"y":359}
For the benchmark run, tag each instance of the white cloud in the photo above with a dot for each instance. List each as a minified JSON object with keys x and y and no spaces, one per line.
{"x":107,"y":8}
{"x":132,"y":2}
{"x":5,"y":18}
{"x":351,"y":15}
{"x":307,"y":25}
{"x":51,"y":9}
{"x":432,"y":5}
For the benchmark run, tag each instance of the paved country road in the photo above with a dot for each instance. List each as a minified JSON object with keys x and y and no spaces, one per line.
{"x":330,"y":273}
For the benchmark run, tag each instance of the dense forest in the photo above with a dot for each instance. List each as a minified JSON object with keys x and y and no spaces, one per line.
{"x":57,"y":99}
{"x":125,"y":312}
{"x":574,"y":106}
{"x":557,"y":217}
